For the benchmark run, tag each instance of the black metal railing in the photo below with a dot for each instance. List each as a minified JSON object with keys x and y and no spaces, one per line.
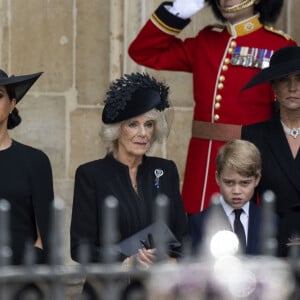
{"x":193,"y":277}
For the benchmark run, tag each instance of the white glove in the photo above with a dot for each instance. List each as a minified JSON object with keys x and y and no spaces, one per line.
{"x":186,"y":8}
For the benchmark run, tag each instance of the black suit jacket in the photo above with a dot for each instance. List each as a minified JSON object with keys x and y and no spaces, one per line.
{"x":213,"y":219}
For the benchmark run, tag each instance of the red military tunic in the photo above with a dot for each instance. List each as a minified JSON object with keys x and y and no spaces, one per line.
{"x":222,"y":59}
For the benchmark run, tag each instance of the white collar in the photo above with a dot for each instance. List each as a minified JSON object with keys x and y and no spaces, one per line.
{"x":229,"y":209}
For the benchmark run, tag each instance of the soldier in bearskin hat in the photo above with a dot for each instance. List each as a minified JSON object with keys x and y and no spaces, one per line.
{"x":222,"y":59}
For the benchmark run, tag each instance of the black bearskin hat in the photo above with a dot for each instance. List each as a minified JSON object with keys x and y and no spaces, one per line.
{"x":269,"y":10}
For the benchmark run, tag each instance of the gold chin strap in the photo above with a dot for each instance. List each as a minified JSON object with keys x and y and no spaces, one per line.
{"x":237,"y":7}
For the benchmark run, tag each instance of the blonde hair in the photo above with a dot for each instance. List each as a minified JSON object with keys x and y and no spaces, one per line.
{"x":110,"y":133}
{"x":240,"y":156}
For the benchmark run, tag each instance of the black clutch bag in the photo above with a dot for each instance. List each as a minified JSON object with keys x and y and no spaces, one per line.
{"x":147,"y":238}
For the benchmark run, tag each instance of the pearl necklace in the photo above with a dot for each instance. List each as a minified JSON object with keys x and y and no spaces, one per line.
{"x":294,"y":132}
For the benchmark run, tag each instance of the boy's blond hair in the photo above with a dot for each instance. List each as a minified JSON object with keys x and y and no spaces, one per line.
{"x":240,"y":156}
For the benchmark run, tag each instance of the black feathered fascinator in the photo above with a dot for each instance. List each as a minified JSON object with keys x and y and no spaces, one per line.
{"x":132,"y":95}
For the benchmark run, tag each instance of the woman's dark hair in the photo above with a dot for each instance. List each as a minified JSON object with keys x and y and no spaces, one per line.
{"x":268,"y":10}
{"x":14,"y":118}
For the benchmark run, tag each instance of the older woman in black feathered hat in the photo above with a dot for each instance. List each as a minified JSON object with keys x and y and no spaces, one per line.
{"x":278,"y":139}
{"x":134,"y":118}
{"x":25,"y":176}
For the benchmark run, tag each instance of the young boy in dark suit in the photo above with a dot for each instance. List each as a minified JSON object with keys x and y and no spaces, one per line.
{"x":238,"y":173}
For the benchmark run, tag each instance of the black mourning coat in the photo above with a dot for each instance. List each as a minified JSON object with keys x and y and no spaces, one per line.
{"x":96,"y":180}
{"x":280,"y":170}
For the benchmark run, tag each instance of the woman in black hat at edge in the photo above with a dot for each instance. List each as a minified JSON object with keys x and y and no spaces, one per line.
{"x":25,"y":176}
{"x":133,"y":120}
{"x":278,"y":140}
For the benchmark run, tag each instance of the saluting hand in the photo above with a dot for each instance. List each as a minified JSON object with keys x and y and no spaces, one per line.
{"x":186,"y":8}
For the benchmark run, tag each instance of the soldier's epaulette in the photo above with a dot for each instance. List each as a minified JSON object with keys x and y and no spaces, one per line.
{"x":279,"y":32}
{"x":217,"y":27}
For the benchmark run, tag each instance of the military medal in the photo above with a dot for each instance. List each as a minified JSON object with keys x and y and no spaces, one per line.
{"x":251,"y":57}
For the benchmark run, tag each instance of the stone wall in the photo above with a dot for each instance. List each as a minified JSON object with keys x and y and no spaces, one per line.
{"x":81,"y":45}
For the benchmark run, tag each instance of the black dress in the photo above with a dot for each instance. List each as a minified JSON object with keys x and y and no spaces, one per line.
{"x":96,"y":180}
{"x":26,"y":183}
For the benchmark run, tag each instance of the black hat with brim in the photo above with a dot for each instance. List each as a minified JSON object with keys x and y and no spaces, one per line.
{"x":284,"y":62}
{"x":21,"y":83}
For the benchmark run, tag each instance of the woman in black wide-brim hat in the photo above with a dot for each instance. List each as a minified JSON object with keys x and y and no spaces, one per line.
{"x":25,"y":176}
{"x":278,"y":139}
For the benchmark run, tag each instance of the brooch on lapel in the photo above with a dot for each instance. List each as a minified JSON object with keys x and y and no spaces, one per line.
{"x":158,"y":173}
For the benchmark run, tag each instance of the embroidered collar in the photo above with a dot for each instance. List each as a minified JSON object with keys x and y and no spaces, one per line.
{"x":245,"y":27}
